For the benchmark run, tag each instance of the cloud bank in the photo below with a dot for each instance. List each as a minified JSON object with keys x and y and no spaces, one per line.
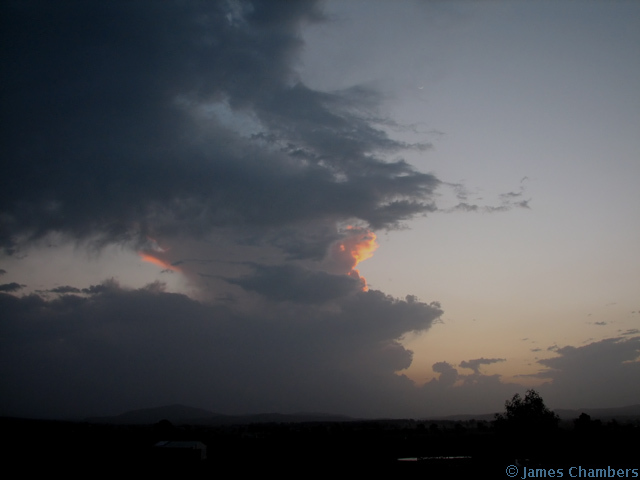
{"x":111,"y":349}
{"x":599,"y":373}
{"x":183,"y":117}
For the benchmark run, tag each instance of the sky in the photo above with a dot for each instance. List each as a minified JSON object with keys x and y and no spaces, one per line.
{"x":368,"y":208}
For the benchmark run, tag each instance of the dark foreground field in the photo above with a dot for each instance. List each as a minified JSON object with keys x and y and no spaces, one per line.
{"x":371,"y":446}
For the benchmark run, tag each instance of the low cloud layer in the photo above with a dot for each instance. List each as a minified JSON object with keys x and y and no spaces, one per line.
{"x":599,"y":373}
{"x":116,"y":348}
{"x":106,"y":349}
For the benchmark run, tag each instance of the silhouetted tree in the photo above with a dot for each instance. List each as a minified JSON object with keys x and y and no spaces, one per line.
{"x":527,"y":426}
{"x":529,"y":414}
{"x":584,"y":425}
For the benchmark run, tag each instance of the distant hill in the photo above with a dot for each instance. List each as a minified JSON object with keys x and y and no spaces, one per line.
{"x":487,"y":417}
{"x":181,"y":414}
{"x":631,"y":412}
{"x":173,"y":413}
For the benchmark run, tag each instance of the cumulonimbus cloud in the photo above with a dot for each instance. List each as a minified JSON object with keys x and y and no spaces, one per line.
{"x":139,"y":125}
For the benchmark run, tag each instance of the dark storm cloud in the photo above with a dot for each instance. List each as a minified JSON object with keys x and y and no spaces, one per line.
{"x":125,"y":118}
{"x":11,"y":287}
{"x":65,"y":289}
{"x":600,"y":373}
{"x":448,"y":373}
{"x":288,"y":282}
{"x":476,"y":363}
{"x":138,"y":122}
{"x":117,"y":349}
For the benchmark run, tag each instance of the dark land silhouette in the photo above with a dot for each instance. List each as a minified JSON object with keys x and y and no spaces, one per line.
{"x":527,"y":432}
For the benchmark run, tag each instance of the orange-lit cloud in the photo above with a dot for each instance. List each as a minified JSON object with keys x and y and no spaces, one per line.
{"x":358,"y":245}
{"x":152,"y":251}
{"x":147,"y":257}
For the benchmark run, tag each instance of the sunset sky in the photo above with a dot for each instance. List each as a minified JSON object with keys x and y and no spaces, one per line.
{"x":369,"y":208}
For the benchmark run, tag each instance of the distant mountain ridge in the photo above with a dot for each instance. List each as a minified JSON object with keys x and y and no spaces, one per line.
{"x":174,"y":413}
{"x":628,"y":412}
{"x":182,"y":414}
{"x":621,"y":413}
